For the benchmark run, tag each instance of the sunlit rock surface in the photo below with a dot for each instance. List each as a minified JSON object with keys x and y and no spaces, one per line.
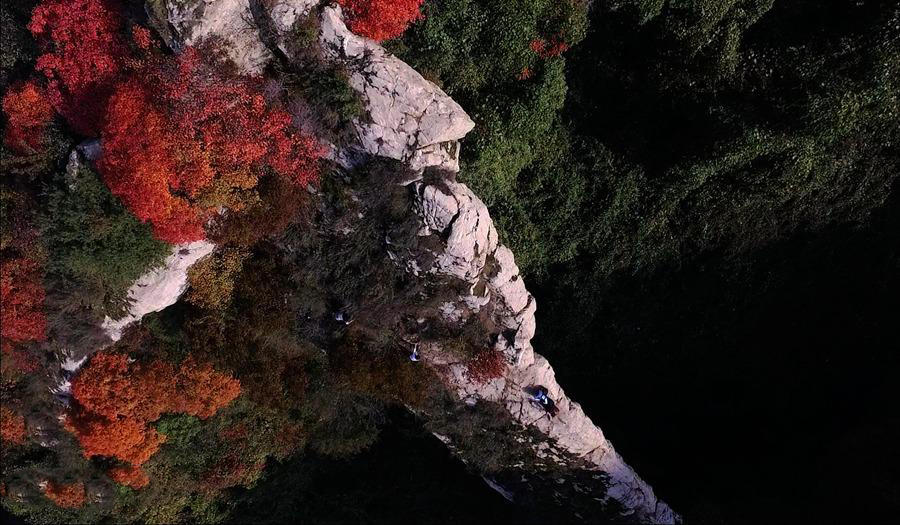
{"x":228,"y":21}
{"x":160,"y":287}
{"x":409,"y":118}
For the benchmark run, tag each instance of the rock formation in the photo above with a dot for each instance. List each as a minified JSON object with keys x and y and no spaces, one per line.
{"x":160,"y":287}
{"x":472,"y":254}
{"x":411,"y":120}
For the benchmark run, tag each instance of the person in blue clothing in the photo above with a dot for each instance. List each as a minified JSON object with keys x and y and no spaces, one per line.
{"x":539,"y":396}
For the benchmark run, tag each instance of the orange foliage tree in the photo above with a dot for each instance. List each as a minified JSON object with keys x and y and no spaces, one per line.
{"x":381,"y":19}
{"x":21,"y":303}
{"x":70,"y":495}
{"x":117,"y":400}
{"x":129,"y":475}
{"x":84,"y":55}
{"x":182,"y":141}
{"x":12,"y":426}
{"x":28,"y":111}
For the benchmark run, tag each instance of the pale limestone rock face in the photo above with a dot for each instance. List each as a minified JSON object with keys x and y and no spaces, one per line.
{"x":285,"y":12}
{"x":453,"y":209}
{"x":160,"y":287}
{"x":472,"y":253}
{"x":229,"y":21}
{"x":409,"y":118}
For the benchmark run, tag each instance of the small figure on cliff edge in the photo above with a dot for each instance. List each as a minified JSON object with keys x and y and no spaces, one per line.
{"x":540,"y":397}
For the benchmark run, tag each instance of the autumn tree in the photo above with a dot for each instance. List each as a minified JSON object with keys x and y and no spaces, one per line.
{"x":12,"y":426}
{"x":70,"y":495}
{"x":117,"y":400}
{"x":127,"y":439}
{"x":84,"y":55}
{"x":212,"y":279}
{"x":129,"y":475}
{"x":381,"y":19}
{"x":21,"y":296}
{"x":28,"y":113}
{"x":183,"y":142}
{"x":201,"y":390}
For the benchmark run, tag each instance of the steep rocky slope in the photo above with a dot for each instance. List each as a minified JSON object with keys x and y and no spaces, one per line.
{"x":410,"y":120}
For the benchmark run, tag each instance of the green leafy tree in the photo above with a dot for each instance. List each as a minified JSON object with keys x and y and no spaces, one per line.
{"x":94,"y":243}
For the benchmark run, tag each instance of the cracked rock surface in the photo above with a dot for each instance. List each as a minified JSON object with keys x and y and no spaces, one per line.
{"x":409,"y":118}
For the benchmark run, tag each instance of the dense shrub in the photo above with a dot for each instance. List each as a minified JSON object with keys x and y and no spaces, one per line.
{"x":470,"y":46}
{"x":17,"y":49}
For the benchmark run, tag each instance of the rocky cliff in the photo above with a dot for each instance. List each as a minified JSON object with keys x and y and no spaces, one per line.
{"x":412,"y":121}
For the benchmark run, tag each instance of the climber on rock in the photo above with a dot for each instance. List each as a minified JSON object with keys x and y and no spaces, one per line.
{"x":539,"y":396}
{"x":414,"y":355}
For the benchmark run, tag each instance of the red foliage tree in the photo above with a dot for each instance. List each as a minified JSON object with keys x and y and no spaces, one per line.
{"x":21,"y":302}
{"x":129,"y":475}
{"x":84,"y":57}
{"x":137,"y":391}
{"x":117,"y":400}
{"x":182,"y":141}
{"x":69,"y":496}
{"x":128,"y":439}
{"x":485,"y":365}
{"x":381,"y":19}
{"x":28,"y":111}
{"x":545,"y":49}
{"x":12,"y":426}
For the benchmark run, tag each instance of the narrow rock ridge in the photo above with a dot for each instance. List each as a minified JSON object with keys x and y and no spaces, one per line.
{"x":409,"y":118}
{"x":413,"y":121}
{"x":472,"y":254}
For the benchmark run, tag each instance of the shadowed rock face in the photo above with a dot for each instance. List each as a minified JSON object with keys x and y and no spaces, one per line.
{"x":412,"y":121}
